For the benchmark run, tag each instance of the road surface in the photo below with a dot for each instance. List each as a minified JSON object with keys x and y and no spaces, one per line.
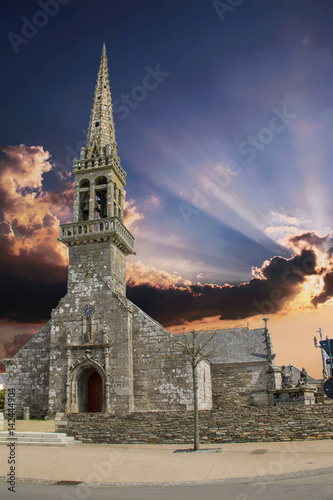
{"x":312,"y":487}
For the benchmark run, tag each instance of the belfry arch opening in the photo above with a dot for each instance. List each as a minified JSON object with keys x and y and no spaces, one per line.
{"x":85,"y":183}
{"x":117,"y":202}
{"x":84,"y":188}
{"x":101,"y":197}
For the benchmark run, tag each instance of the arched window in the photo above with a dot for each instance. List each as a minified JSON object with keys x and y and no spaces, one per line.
{"x":84,"y":183}
{"x":101,"y":180}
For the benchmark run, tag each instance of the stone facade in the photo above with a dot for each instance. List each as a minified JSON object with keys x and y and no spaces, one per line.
{"x":99,"y":352}
{"x":28,"y":374}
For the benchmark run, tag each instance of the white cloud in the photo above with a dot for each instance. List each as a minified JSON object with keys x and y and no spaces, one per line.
{"x":284,"y":224}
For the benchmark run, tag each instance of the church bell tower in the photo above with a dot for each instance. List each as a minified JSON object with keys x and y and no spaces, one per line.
{"x":91,"y":352}
{"x":97,"y":239}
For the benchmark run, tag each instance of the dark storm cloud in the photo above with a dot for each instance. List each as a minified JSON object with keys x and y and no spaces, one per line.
{"x":280,"y":283}
{"x":27,"y":265}
{"x":327,"y":291}
{"x":30,"y":218}
{"x":323,"y":243}
{"x":312,"y":239}
{"x":24,"y":300}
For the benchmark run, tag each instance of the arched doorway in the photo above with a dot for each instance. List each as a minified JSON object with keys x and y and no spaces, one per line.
{"x":95,"y":393}
{"x":87,"y":389}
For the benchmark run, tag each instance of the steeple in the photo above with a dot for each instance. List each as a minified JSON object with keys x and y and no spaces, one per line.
{"x":99,"y":164}
{"x":101,"y":127}
{"x":97,"y":237}
{"x":101,"y":146}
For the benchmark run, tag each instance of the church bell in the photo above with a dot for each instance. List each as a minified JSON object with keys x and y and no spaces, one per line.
{"x":85,"y":209}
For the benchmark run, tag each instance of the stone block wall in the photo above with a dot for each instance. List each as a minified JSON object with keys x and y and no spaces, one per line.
{"x":87,"y":261}
{"x":243,"y":425}
{"x":241,"y":384}
{"x":28,"y":373}
{"x":161,"y":380}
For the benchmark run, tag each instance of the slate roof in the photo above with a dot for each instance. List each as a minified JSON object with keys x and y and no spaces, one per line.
{"x":239,"y":345}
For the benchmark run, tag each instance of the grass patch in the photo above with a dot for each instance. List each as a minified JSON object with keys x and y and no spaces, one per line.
{"x":32,"y":425}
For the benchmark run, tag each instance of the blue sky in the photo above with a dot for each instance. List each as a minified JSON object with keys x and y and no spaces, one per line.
{"x":207,"y":140}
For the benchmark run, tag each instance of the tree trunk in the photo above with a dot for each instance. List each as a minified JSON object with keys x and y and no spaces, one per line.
{"x":195,"y":407}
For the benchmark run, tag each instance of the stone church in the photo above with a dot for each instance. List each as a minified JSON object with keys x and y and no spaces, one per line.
{"x":101,"y":353}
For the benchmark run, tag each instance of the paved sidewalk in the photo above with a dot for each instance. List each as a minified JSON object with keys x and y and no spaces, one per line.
{"x":158,"y":463}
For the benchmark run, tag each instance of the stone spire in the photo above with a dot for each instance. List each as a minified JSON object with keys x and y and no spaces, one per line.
{"x":101,"y":131}
{"x":99,"y":195}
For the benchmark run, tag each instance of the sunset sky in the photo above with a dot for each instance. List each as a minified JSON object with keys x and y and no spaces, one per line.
{"x":224,"y":121}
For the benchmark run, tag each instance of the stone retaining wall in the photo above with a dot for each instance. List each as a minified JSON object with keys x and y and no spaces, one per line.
{"x":245,"y":425}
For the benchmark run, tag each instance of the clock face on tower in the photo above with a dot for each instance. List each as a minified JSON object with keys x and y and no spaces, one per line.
{"x":88,"y":310}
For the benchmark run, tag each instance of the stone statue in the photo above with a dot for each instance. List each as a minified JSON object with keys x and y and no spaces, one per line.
{"x":286,"y":378}
{"x":303,"y":380}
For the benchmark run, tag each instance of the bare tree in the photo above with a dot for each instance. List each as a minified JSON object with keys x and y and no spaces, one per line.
{"x":194,"y":348}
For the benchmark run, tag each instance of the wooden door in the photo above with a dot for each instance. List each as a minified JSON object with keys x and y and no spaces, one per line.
{"x":95,"y":393}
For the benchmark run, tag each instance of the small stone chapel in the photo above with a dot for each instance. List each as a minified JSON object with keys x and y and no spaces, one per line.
{"x":100,"y":353}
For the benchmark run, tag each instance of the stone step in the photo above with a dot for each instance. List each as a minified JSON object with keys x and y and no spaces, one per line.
{"x":38,"y":438}
{"x":35,"y":434}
